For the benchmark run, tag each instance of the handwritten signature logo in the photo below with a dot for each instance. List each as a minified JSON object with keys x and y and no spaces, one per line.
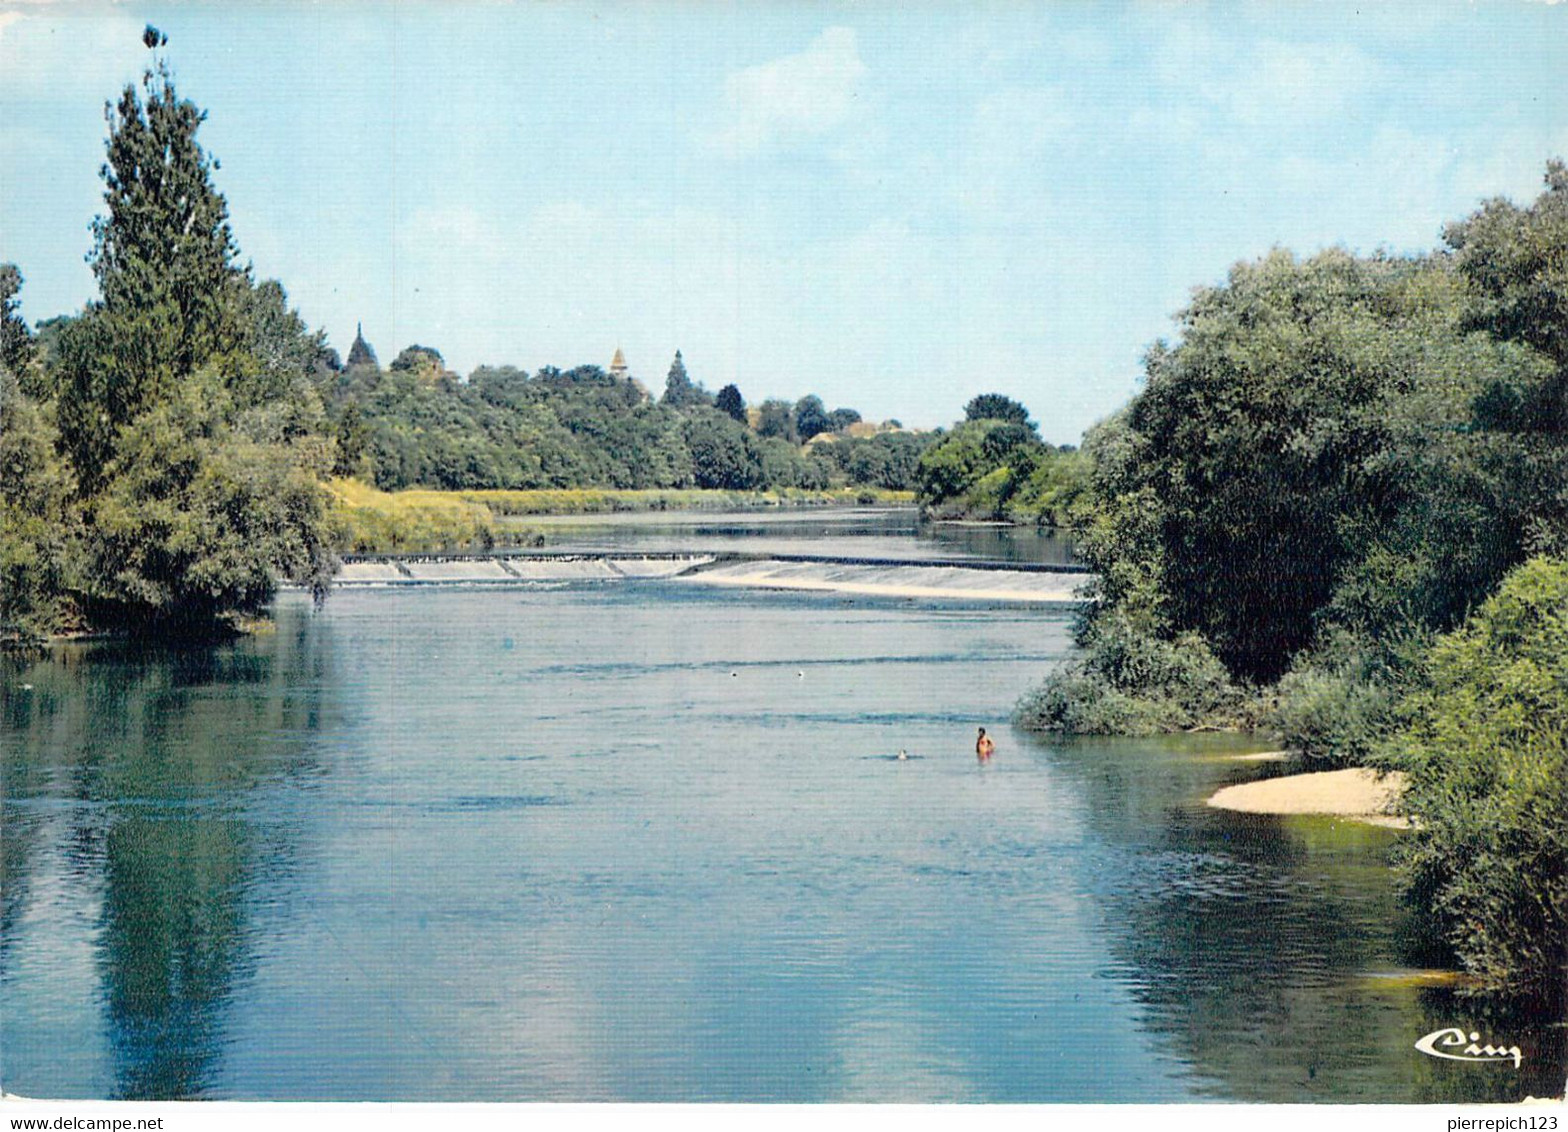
{"x":1467,"y":1044}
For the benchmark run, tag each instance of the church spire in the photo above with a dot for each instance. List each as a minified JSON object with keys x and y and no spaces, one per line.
{"x":360,"y":353}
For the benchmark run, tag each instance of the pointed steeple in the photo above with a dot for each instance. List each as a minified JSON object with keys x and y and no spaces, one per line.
{"x":360,"y":353}
{"x":618,"y":366}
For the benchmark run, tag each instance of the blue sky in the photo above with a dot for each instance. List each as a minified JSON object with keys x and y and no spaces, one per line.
{"x":895,"y":207}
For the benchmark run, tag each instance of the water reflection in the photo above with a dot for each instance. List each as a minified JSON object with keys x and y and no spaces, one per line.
{"x":543,"y":845}
{"x":851,"y":532}
{"x":126,"y":773}
{"x":1267,"y":951}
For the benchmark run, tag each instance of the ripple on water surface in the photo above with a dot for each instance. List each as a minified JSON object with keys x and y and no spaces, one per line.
{"x":642,"y":843}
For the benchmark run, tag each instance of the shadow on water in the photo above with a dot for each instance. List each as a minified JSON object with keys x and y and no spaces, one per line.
{"x":127,"y":772}
{"x":1271,"y":954}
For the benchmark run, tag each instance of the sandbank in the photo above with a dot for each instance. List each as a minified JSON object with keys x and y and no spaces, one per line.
{"x":1357,"y":793}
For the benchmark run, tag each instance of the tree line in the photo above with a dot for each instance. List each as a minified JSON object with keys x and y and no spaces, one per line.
{"x":164,"y":452}
{"x":1338,"y":508}
{"x":417,"y":424}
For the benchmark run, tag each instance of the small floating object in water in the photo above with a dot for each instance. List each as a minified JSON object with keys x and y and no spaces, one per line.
{"x":733,"y":675}
{"x":903,"y":755}
{"x":800,"y":675}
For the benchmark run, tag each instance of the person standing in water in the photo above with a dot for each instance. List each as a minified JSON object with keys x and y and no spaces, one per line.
{"x":984,"y":747}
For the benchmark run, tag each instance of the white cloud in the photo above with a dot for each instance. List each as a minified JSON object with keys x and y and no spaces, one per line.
{"x":795,"y":98}
{"x":1013,"y":137}
{"x":1014,"y":124}
{"x":1268,"y":82}
{"x":1509,"y":163}
{"x":1301,"y":79}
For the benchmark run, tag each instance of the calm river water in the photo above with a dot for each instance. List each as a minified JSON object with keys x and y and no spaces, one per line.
{"x":643,"y":842}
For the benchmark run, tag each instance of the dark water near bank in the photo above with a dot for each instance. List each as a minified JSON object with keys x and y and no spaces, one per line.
{"x":849,"y":532}
{"x":645,"y":842}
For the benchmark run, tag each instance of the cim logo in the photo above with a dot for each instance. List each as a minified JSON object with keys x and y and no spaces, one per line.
{"x":1467,"y":1046}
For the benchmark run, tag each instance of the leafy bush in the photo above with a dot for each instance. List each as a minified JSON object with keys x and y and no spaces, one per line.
{"x":1331,"y":716}
{"x":1129,"y":681}
{"x":1485,"y":743}
{"x":197,"y":521}
{"x":991,"y":468}
{"x":38,"y":525}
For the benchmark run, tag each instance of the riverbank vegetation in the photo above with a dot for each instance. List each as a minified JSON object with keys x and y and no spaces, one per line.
{"x":416,"y":424}
{"x":164,"y":448}
{"x":172,"y":451}
{"x":418,"y":519}
{"x":373,"y":521}
{"x":993,"y":465}
{"x":1483,"y":737}
{"x":1339,"y":507}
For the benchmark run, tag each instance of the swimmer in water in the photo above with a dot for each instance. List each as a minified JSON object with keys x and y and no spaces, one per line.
{"x":983,"y":746}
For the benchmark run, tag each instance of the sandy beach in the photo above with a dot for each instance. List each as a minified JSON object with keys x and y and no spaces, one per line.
{"x":1357,"y":793}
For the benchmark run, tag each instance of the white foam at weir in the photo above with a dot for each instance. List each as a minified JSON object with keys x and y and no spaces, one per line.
{"x":437,"y":571}
{"x":897,"y":581}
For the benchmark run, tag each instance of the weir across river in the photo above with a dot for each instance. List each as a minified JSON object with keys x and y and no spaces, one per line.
{"x":940,"y":578}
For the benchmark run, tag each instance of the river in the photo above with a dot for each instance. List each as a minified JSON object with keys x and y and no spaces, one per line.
{"x":645,"y":841}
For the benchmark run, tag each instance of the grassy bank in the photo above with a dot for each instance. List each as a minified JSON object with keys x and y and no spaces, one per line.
{"x":374,"y":521}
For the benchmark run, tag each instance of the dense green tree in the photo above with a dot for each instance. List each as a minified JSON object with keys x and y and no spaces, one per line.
{"x":729,"y":401}
{"x":995,"y":407}
{"x":418,"y":360}
{"x":188,"y":401}
{"x":979,"y":468}
{"x":16,"y":340}
{"x":840,"y":419}
{"x":1339,"y":459}
{"x":1485,"y":742}
{"x":777,"y":418}
{"x":680,"y":392}
{"x":723,"y":454}
{"x":197,"y":519}
{"x":1285,"y":422}
{"x":1515,"y":260}
{"x":1514,"y":256}
{"x":164,"y":258}
{"x":39,"y":526}
{"x":811,"y":417}
{"x":890,"y":460}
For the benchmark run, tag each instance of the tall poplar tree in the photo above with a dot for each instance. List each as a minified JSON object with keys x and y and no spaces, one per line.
{"x":186,"y":405}
{"x":165,"y":259}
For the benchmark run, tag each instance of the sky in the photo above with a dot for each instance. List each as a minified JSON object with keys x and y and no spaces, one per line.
{"x":893,"y":206}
